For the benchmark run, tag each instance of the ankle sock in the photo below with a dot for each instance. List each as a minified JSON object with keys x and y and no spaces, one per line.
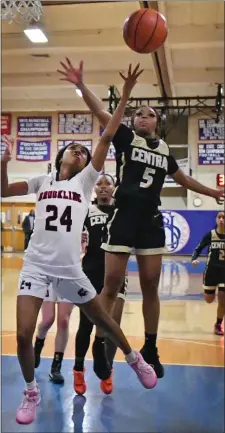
{"x":131,"y":357}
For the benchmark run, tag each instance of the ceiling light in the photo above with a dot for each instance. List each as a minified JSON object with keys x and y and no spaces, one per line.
{"x":79,"y":93}
{"x":36,"y":35}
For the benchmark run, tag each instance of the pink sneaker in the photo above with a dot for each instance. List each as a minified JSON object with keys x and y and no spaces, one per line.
{"x":26,"y":413}
{"x":218,"y":330}
{"x":145,"y":373}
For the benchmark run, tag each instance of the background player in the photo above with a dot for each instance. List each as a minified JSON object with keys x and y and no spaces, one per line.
{"x":214,"y":275}
{"x":93,"y":265}
{"x":53,"y":255}
{"x":143,"y":161}
{"x":64,"y":310}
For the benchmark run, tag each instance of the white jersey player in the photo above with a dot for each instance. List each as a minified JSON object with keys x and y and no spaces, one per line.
{"x":53,"y":255}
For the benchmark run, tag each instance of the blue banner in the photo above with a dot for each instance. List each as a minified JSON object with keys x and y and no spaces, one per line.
{"x":2,"y":147}
{"x":34,"y":126}
{"x":33,"y":150}
{"x":210,"y":153}
{"x":185,"y":229}
{"x":210,"y":130}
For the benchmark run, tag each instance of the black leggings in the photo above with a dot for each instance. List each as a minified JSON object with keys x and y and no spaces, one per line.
{"x":82,"y":340}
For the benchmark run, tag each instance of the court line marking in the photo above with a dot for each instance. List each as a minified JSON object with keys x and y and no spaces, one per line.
{"x":123,"y":361}
{"x":179,"y":340}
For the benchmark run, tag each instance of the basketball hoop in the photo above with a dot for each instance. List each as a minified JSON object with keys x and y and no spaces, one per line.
{"x":21,"y":10}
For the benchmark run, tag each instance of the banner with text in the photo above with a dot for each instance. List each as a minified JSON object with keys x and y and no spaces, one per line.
{"x":75,"y":123}
{"x":34,"y":126}
{"x":2,"y":147}
{"x":6,"y":119}
{"x":210,"y":130}
{"x":33,"y":151}
{"x":185,"y":229}
{"x":211,"y":153}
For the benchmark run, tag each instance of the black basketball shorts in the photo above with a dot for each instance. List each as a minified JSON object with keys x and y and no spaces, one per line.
{"x":214,"y":276}
{"x":97,"y":280}
{"x":141,"y":233}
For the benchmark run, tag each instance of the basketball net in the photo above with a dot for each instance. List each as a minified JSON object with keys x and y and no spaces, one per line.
{"x":21,"y":10}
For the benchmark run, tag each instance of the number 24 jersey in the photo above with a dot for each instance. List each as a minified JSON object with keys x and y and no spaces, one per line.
{"x":61,"y":208}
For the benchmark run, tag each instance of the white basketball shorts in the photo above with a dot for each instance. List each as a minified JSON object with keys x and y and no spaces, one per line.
{"x":35,"y":283}
{"x":51,"y":296}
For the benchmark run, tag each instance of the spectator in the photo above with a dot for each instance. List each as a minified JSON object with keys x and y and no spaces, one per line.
{"x":28,"y":227}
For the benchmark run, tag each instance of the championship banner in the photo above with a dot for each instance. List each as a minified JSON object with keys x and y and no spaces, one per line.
{"x":211,"y":153}
{"x":34,"y":126}
{"x":185,"y":229}
{"x":33,"y":151}
{"x":75,"y":123}
{"x":183,"y":165}
{"x":2,"y":150}
{"x":85,"y":143}
{"x":6,"y":119}
{"x":210,"y":130}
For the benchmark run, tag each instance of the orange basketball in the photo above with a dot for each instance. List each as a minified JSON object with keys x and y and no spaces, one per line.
{"x":145,"y":30}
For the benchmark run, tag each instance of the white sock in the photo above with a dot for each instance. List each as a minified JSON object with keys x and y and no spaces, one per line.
{"x":131,"y":357}
{"x":31,"y":386}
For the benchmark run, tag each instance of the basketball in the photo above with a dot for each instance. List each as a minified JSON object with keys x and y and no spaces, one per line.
{"x":145,"y":31}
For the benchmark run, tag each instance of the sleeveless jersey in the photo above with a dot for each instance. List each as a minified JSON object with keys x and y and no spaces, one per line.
{"x":61,"y":207}
{"x":95,"y":221}
{"x":216,"y":248}
{"x":142,"y":165}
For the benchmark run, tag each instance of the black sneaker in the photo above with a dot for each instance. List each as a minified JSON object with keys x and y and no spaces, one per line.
{"x":56,"y":376}
{"x":101,"y":365}
{"x":151,"y":356}
{"x":39,"y":344}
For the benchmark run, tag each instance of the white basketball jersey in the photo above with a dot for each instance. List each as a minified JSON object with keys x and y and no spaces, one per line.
{"x":61,"y":209}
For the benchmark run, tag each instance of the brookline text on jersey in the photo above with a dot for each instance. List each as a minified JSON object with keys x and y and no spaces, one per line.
{"x":64,"y":195}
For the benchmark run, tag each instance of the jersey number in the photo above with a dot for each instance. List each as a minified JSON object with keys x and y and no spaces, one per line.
{"x":65,"y":219}
{"x":221,"y":255}
{"x":25,"y":284}
{"x":147,"y":176}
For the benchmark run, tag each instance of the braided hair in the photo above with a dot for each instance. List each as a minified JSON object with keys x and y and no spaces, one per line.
{"x":61,"y":152}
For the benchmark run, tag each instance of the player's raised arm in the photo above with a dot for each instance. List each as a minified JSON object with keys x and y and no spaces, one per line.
{"x":75,"y":76}
{"x":16,"y":188}
{"x":112,"y":126}
{"x":193,"y":185}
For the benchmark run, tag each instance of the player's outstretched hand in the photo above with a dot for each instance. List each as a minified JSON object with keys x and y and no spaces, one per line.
{"x":71,"y":74}
{"x":7,"y":154}
{"x":219,"y":196}
{"x":131,"y":79}
{"x":195,"y":262}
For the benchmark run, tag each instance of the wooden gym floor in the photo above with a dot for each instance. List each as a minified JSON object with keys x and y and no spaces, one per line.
{"x":188,"y":399}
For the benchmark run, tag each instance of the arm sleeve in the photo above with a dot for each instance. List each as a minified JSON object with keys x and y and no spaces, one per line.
{"x":206,"y":240}
{"x":88,"y":178}
{"x":122,"y":138}
{"x":172,"y":165}
{"x":35,"y":183}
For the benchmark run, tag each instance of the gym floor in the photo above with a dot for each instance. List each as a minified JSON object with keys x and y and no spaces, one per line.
{"x":190,"y":398}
